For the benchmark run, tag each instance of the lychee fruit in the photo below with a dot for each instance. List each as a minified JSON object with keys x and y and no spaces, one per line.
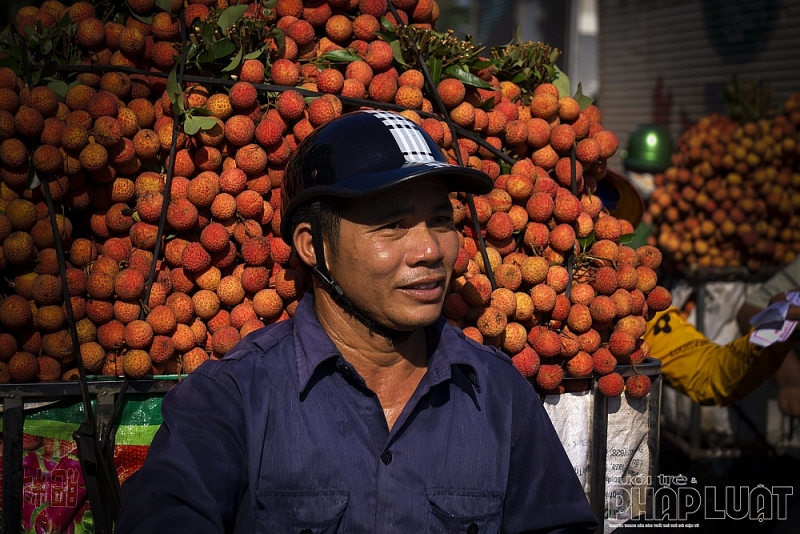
{"x":549,"y":376}
{"x":637,"y":386}
{"x":611,"y":385}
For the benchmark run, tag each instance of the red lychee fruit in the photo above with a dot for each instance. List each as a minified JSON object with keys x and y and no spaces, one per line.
{"x":637,"y":386}
{"x":621,"y":344}
{"x":602,"y":309}
{"x":138,"y":334}
{"x":611,"y":385}
{"x":549,"y":376}
{"x":562,"y":238}
{"x":605,"y":281}
{"x":526,"y":361}
{"x":659,"y":299}
{"x":649,"y":256}
{"x":604,"y":361}
{"x":195,"y":258}
{"x":581,"y":365}
{"x":562,"y":138}
{"x":547,"y":344}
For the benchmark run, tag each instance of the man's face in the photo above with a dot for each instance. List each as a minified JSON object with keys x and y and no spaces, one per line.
{"x":396,"y":253}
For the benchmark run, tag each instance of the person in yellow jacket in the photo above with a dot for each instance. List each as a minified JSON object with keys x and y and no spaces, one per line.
{"x":691,"y":363}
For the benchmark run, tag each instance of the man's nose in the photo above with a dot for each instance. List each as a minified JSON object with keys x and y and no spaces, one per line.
{"x":425,"y":245}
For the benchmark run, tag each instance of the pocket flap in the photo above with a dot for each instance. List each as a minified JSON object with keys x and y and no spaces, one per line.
{"x":307,"y":505}
{"x":465,"y":504}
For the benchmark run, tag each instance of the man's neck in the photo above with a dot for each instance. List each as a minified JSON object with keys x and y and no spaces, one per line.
{"x":391,"y":369}
{"x":363,"y":348}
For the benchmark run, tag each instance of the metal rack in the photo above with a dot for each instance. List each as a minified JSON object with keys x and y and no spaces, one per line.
{"x":15,"y":398}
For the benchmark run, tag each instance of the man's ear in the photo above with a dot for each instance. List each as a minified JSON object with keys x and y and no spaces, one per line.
{"x":304,"y":244}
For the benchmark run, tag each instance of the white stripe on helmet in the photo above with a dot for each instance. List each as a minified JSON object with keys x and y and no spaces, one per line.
{"x":407,"y":136}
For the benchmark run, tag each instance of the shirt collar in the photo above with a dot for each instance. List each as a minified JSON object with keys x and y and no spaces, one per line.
{"x":313,"y":346}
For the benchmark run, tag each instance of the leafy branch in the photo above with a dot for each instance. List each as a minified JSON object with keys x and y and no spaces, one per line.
{"x":527,"y":64}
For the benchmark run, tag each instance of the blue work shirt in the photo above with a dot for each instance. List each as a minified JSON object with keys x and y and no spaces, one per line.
{"x":283,"y":436}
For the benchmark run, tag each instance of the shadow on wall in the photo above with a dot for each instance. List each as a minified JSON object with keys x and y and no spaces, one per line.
{"x":740,"y":29}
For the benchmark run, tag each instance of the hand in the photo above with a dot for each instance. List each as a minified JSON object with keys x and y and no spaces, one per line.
{"x":793,"y":314}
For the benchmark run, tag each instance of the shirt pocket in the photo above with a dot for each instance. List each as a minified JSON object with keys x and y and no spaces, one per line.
{"x":453,"y":511}
{"x":301,"y":512}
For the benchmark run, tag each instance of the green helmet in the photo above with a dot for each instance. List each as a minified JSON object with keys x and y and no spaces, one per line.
{"x":649,"y":149}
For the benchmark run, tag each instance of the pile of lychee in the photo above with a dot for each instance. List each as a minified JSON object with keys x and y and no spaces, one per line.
{"x":222,"y":271}
{"x":732,"y":197}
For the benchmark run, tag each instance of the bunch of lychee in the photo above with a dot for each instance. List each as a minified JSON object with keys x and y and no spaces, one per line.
{"x":222,"y":270}
{"x":732,"y":197}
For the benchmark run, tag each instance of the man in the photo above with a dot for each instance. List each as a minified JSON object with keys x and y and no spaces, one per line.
{"x":758,"y":297}
{"x":691,"y":363}
{"x":366,"y":412}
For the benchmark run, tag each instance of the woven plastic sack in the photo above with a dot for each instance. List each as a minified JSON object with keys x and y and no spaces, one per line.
{"x":54,"y":498}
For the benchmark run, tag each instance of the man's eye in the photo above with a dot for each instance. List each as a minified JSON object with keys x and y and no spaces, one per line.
{"x":392,"y":226}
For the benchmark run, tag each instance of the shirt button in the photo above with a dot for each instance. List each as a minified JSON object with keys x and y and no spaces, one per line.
{"x":386,"y":457}
{"x":472,"y":529}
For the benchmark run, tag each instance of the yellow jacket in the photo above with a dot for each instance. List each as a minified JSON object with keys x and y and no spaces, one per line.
{"x":709,"y":373}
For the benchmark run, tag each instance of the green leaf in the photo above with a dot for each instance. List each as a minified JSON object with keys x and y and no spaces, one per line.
{"x":561,"y":82}
{"x":584,"y":242}
{"x":164,"y":5}
{"x":64,"y":22}
{"x":229,"y":17}
{"x":256,"y":53}
{"x":386,"y":36}
{"x":141,"y":18}
{"x":174,"y":91}
{"x":466,"y":77}
{"x":487,"y":105}
{"x":341,"y":55}
{"x":435,"y":66}
{"x":521,"y":77}
{"x":60,"y":88}
{"x":582,"y":99}
{"x":398,"y":52}
{"x":223,"y":48}
{"x":192,"y":125}
{"x":207,"y":31}
{"x":626,"y":238}
{"x":269,"y":4}
{"x":135,"y":216}
{"x":480,"y":65}
{"x":234,"y":62}
{"x":387,"y":25}
{"x":205,"y":112}
{"x":206,"y":56}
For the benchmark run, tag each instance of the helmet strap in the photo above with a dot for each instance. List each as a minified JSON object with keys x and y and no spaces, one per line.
{"x":336,"y":291}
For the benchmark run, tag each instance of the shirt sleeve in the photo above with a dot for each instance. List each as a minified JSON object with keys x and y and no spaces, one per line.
{"x":544,"y":494}
{"x":709,"y":373}
{"x":195,"y":474}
